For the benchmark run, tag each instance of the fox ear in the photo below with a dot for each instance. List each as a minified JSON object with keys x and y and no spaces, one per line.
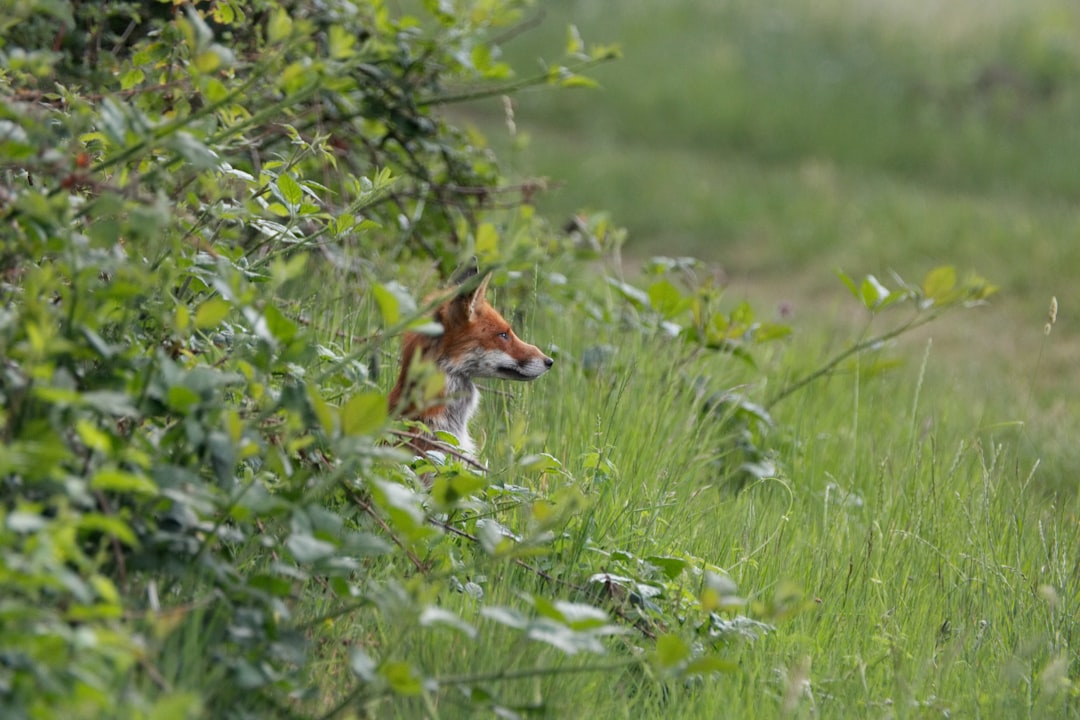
{"x":477,"y":296}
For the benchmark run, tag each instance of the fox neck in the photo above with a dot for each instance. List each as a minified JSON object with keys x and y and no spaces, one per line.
{"x":457,"y":403}
{"x":462,"y":399}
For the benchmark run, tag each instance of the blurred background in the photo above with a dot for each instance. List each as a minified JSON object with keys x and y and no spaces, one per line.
{"x":780,"y":141}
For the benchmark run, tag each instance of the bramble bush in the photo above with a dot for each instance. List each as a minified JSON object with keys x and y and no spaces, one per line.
{"x":197,"y":475}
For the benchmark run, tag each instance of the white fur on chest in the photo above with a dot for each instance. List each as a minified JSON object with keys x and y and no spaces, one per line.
{"x":462,"y":400}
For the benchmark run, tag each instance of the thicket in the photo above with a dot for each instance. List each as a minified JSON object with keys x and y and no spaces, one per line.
{"x":197,"y":468}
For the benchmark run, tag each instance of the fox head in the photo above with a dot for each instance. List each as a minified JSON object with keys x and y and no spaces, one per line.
{"x":478,"y":343}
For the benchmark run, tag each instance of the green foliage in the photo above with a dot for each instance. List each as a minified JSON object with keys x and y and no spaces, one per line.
{"x":183,"y":459}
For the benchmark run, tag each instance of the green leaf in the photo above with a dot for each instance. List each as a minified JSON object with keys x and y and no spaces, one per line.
{"x":177,"y":706}
{"x":666,"y":299}
{"x":110,"y":403}
{"x":92,"y":436}
{"x":939,"y":283}
{"x":672,"y":567}
{"x":849,"y":283}
{"x":279,"y":26}
{"x":637,"y":297}
{"x":401,"y":678}
{"x":507,"y":616}
{"x":767,"y":332}
{"x":394,"y":302}
{"x":281,"y":327}
{"x":214,"y":90}
{"x":574,"y":43}
{"x":363,"y":413}
{"x":450,"y":489}
{"x":671,"y":650}
{"x":581,"y":616}
{"x":291,"y":191}
{"x":131,"y":78}
{"x":306,"y":549}
{"x":14,"y":142}
{"x":188,"y":147}
{"x":109,"y":525}
{"x":207,"y":61}
{"x":573,"y":80}
{"x":123,"y":482}
{"x":321,"y":408}
{"x":487,"y":243}
{"x":438,"y":616}
{"x":541,"y":462}
{"x":211,"y":313}
{"x":404,"y":507}
{"x":605,"y":52}
{"x":340,"y":42}
{"x":182,"y":399}
{"x":872,"y":293}
{"x":742,"y":315}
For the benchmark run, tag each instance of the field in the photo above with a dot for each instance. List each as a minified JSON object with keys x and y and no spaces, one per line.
{"x":783,"y":143}
{"x":928,"y":514}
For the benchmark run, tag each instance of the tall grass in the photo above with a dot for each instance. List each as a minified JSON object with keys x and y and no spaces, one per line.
{"x":907,"y":553}
{"x":916,"y":546}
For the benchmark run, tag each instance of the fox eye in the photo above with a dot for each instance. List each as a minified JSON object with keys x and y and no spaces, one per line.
{"x":504,"y":335}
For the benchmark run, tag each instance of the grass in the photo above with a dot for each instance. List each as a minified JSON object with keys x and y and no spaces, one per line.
{"x":908,"y":555}
{"x":916,"y":550}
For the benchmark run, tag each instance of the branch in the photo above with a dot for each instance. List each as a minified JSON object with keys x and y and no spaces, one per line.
{"x":366,"y":507}
{"x":507,"y":88}
{"x":917,"y":321}
{"x":443,"y":447}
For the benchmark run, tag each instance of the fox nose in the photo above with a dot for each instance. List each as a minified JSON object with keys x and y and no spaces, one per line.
{"x":548,"y":362}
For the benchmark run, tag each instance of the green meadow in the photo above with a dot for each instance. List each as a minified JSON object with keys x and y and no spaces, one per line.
{"x":782,"y":143}
{"x":926,"y":514}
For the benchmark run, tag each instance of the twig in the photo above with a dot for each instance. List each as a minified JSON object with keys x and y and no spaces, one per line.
{"x":118,"y":552}
{"x":827,"y":368}
{"x":506,"y":88}
{"x":366,"y":507}
{"x":520,"y":28}
{"x":443,"y":447}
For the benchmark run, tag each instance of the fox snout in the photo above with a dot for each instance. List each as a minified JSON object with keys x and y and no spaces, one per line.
{"x":528,"y":368}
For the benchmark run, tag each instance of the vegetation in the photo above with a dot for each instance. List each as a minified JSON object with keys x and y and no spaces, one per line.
{"x":218,"y":217}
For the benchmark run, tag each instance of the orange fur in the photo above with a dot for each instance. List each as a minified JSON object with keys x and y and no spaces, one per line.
{"x":476,"y":342}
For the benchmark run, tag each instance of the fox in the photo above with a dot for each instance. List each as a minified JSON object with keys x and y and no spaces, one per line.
{"x":476,"y":342}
